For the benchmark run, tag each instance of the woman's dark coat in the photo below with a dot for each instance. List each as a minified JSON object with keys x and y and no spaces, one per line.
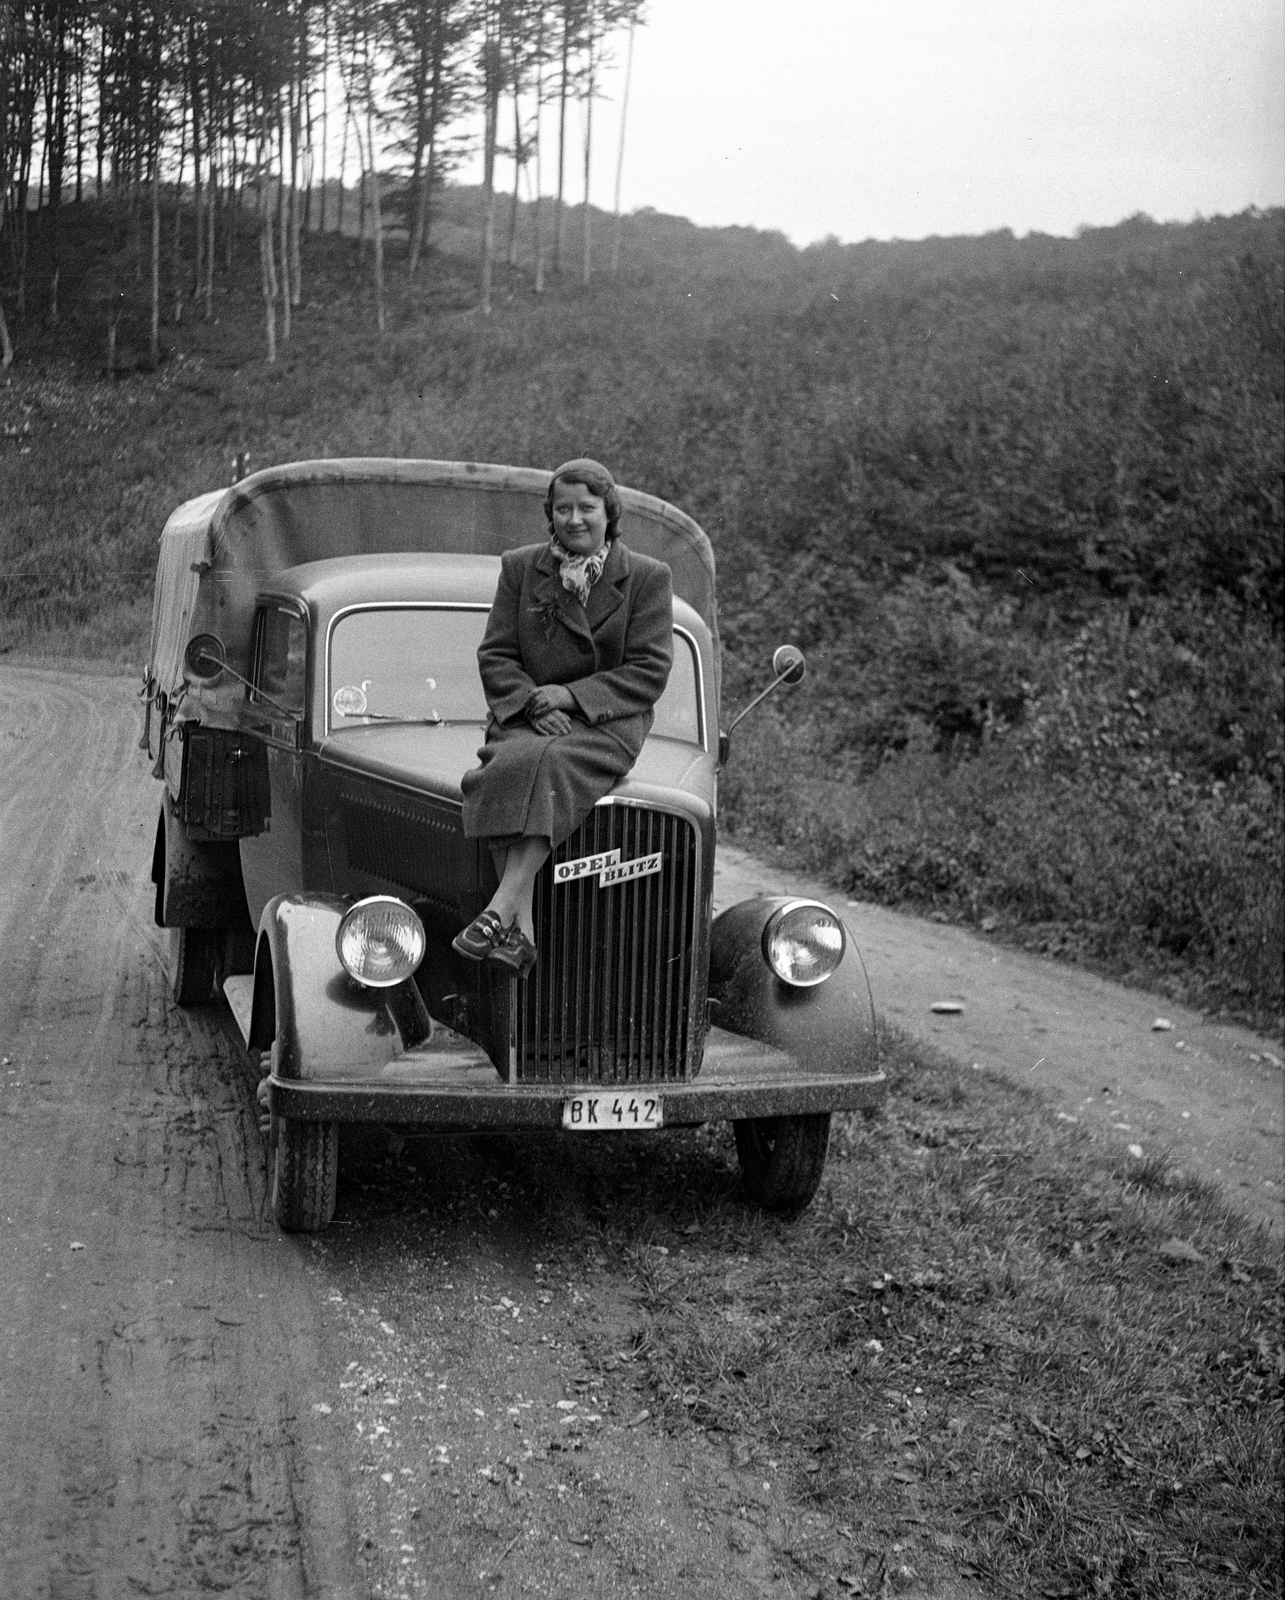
{"x":614,"y":655}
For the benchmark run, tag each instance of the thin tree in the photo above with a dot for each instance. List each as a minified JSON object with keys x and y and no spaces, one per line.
{"x":267,"y":265}
{"x":154,"y":341}
{"x":296,"y":84}
{"x":178,"y":201}
{"x":516,"y":43}
{"x":563,"y":89}
{"x":492,"y":84}
{"x":7,"y":154}
{"x":325,"y":110}
{"x":539,"y":183}
{"x":620,"y":150}
{"x":198,"y":213}
{"x":586,"y":241}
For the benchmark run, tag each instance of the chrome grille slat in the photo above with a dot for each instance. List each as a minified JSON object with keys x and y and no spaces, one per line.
{"x":609,"y":999}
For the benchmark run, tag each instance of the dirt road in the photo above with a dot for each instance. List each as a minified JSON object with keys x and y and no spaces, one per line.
{"x":436,"y":1398}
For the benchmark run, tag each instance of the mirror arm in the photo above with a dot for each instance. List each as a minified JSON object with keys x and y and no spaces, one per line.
{"x":740,"y":716}
{"x":258,"y":693}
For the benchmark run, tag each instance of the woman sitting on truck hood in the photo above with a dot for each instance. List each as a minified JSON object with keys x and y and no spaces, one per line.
{"x":576,"y":653}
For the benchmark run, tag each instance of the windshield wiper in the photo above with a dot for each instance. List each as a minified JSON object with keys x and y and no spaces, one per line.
{"x":387,"y":716}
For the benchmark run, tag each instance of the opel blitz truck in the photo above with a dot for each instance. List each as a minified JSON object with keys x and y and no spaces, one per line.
{"x":312,"y":699}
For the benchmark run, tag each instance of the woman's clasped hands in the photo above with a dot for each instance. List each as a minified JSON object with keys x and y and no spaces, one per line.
{"x":547,"y":709}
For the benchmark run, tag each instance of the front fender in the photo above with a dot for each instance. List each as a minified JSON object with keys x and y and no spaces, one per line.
{"x":827,"y":1028}
{"x":322,"y":1024}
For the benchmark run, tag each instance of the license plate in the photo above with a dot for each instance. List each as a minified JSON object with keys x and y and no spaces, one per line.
{"x":612,"y":1113}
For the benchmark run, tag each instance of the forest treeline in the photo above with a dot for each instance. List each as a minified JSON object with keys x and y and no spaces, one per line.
{"x":236,"y":103}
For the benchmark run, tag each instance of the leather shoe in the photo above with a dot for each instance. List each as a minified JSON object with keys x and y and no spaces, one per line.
{"x":481,"y":938}
{"x":515,"y":950}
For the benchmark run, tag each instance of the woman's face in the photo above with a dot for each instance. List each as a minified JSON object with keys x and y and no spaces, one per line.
{"x":579,"y":518}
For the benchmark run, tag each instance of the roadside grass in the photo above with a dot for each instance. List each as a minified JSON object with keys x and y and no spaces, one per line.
{"x":980,"y":1341}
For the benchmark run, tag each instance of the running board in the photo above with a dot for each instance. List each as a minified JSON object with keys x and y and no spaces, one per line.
{"x":239,"y":990}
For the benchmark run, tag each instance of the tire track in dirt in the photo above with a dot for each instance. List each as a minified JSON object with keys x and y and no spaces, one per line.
{"x":156,"y":1333}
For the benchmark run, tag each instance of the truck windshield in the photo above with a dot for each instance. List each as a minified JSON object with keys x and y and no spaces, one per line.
{"x":419,"y":664}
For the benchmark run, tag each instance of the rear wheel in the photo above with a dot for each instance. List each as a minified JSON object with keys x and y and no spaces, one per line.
{"x":305,"y":1166}
{"x":782,"y":1158}
{"x":194,"y":964}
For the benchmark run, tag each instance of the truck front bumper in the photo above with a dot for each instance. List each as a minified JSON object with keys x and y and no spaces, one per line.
{"x":453,"y":1087}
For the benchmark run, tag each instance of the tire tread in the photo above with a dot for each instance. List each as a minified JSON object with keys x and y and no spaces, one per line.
{"x":305,"y":1169}
{"x":786,"y":1176}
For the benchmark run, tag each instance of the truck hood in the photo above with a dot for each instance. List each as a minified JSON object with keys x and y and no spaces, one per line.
{"x":432,"y":760}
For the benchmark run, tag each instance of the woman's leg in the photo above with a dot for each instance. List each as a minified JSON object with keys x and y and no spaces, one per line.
{"x":521,"y":868}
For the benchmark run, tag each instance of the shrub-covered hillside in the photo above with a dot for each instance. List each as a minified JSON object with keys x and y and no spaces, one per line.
{"x":1020,"y":501}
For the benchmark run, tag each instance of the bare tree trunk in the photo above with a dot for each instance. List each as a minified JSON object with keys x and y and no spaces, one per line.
{"x":154,"y":348}
{"x":492,"y":69}
{"x":325,"y":109}
{"x":196,"y":158}
{"x":377,"y":217}
{"x":213,"y":188}
{"x":377,"y":221}
{"x":294,"y":278}
{"x":512,"y":254}
{"x":6,"y":344}
{"x":230,"y":196}
{"x":588,"y":149}
{"x":343,"y":166}
{"x":420,"y":236}
{"x":267,"y":268}
{"x":80,"y":106}
{"x":268,"y":276}
{"x":620,"y":151}
{"x":305,"y":113}
{"x":178,"y":208}
{"x":559,"y":214}
{"x":539,"y":186}
{"x":284,"y":199}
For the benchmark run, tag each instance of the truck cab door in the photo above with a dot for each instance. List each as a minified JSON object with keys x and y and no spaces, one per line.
{"x":272,"y":861}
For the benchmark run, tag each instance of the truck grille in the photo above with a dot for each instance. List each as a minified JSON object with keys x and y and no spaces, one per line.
{"x":610,"y":1000}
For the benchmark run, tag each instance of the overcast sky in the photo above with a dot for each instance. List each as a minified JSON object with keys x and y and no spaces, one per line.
{"x":902,"y":118}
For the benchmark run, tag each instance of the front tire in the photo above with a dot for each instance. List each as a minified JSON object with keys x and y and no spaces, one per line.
{"x":782,"y":1158}
{"x":193,"y":964}
{"x":305,"y":1167}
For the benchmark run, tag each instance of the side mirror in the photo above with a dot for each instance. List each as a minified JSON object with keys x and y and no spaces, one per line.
{"x":205,"y":657}
{"x":788,"y":666}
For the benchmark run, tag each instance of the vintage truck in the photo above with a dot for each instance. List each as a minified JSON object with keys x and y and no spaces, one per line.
{"x":312,"y":699}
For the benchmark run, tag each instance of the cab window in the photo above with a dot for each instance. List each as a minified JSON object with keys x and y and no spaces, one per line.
{"x":677,"y":714}
{"x":280,"y":659}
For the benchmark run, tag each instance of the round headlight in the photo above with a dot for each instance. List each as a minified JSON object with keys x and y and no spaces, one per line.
{"x":803,"y":942}
{"x":380,"y":941}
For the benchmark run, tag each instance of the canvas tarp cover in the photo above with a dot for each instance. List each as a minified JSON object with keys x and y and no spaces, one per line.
{"x":218,"y":550}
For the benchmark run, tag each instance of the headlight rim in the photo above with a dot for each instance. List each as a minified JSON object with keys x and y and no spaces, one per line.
{"x":363,"y":905}
{"x":802,"y":903}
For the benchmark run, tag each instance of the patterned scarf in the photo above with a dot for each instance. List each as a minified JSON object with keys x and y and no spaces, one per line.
{"x":579,"y":573}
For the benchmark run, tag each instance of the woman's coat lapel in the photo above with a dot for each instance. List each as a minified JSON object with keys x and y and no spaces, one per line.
{"x":604,"y":598}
